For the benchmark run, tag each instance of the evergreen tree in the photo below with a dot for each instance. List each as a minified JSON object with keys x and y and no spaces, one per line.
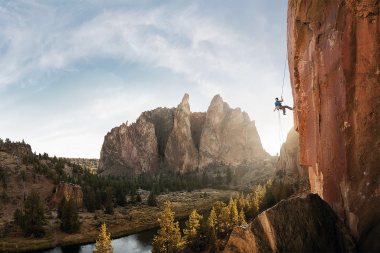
{"x":192,"y":231}
{"x":90,"y":201}
{"x":228,"y":175}
{"x":61,"y":206}
{"x":242,"y":220}
{"x":18,"y":218}
{"x":224,"y":222}
{"x":69,"y":217}
{"x":234,"y":213}
{"x":34,"y":217}
{"x":212,"y":226}
{"x":257,"y":198}
{"x":152,"y":201}
{"x":138,"y":198}
{"x":104,"y":243}
{"x":108,"y":202}
{"x":168,"y":239}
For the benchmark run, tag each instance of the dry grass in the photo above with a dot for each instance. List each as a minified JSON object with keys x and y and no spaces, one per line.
{"x":124,"y":221}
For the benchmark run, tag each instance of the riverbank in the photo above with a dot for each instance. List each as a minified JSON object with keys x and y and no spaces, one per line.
{"x":125,"y":221}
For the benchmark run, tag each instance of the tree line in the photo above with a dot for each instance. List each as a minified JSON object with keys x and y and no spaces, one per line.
{"x":210,"y":232}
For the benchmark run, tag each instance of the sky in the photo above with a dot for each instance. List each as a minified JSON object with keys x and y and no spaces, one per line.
{"x":70,"y":70}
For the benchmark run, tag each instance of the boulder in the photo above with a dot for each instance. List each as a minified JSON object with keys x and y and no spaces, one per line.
{"x":300,"y":224}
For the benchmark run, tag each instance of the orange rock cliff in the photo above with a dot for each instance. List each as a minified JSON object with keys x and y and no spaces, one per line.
{"x":334,"y":61}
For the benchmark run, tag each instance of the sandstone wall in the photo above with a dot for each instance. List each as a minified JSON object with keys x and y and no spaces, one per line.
{"x":334,"y":61}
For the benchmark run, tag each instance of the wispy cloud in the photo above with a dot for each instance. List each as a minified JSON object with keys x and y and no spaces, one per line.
{"x":206,"y":52}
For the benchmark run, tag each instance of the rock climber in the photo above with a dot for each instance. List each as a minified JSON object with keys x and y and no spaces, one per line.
{"x":278,"y":105}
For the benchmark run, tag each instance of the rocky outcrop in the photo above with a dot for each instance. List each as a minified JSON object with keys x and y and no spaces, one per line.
{"x":19,"y":149}
{"x":300,"y":224}
{"x":228,"y":137}
{"x":162,"y":119}
{"x":130,"y":150}
{"x":289,"y":157}
{"x":180,"y":152}
{"x":181,"y":140}
{"x":68,"y":191}
{"x":334,"y":61}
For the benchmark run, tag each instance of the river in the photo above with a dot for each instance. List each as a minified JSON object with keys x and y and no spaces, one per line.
{"x":136,"y":243}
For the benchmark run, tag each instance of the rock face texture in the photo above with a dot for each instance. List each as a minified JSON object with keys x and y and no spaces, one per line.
{"x":178,"y":139}
{"x":68,"y":191}
{"x":295,"y":225}
{"x":334,"y":60}
{"x":130,"y":149}
{"x":289,"y":157}
{"x":180,"y":152}
{"x":16,"y":148}
{"x":228,"y":137}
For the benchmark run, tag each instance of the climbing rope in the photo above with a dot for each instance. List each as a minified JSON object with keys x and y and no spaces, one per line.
{"x":283,"y":77}
{"x":280,"y":132}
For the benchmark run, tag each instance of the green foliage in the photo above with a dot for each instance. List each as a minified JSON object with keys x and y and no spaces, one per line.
{"x":193,"y":233}
{"x":152,"y":201}
{"x":168,"y":239}
{"x":18,"y":218}
{"x":33,"y":216}
{"x":109,"y":201}
{"x":104,"y":243}
{"x":69,"y":216}
{"x":138,"y":198}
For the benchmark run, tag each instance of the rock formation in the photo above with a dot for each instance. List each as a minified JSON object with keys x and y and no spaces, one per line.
{"x":181,"y":140}
{"x":228,"y":137}
{"x":289,"y":157}
{"x":180,"y":152}
{"x":19,"y":149}
{"x":300,"y":224}
{"x":68,"y":191}
{"x":129,"y":150}
{"x":334,"y":61}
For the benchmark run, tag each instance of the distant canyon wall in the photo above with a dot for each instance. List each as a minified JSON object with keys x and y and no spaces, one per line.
{"x":334,"y":61}
{"x":181,"y":140}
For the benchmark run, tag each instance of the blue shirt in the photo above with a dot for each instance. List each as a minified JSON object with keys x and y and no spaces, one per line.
{"x":277,"y":103}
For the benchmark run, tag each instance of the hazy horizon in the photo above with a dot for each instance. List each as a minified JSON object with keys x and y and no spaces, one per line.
{"x":71,"y":71}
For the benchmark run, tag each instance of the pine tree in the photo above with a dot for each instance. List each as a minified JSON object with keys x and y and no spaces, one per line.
{"x":168,"y":239}
{"x":212,"y":227}
{"x":224,"y":222}
{"x":18,"y":218}
{"x":242,"y":220}
{"x":69,"y":217}
{"x":234,"y":213}
{"x":109,"y":203}
{"x":61,"y":206}
{"x":104,"y":243}
{"x":257,"y":198}
{"x":192,"y":230}
{"x":34,"y":217}
{"x":152,"y":201}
